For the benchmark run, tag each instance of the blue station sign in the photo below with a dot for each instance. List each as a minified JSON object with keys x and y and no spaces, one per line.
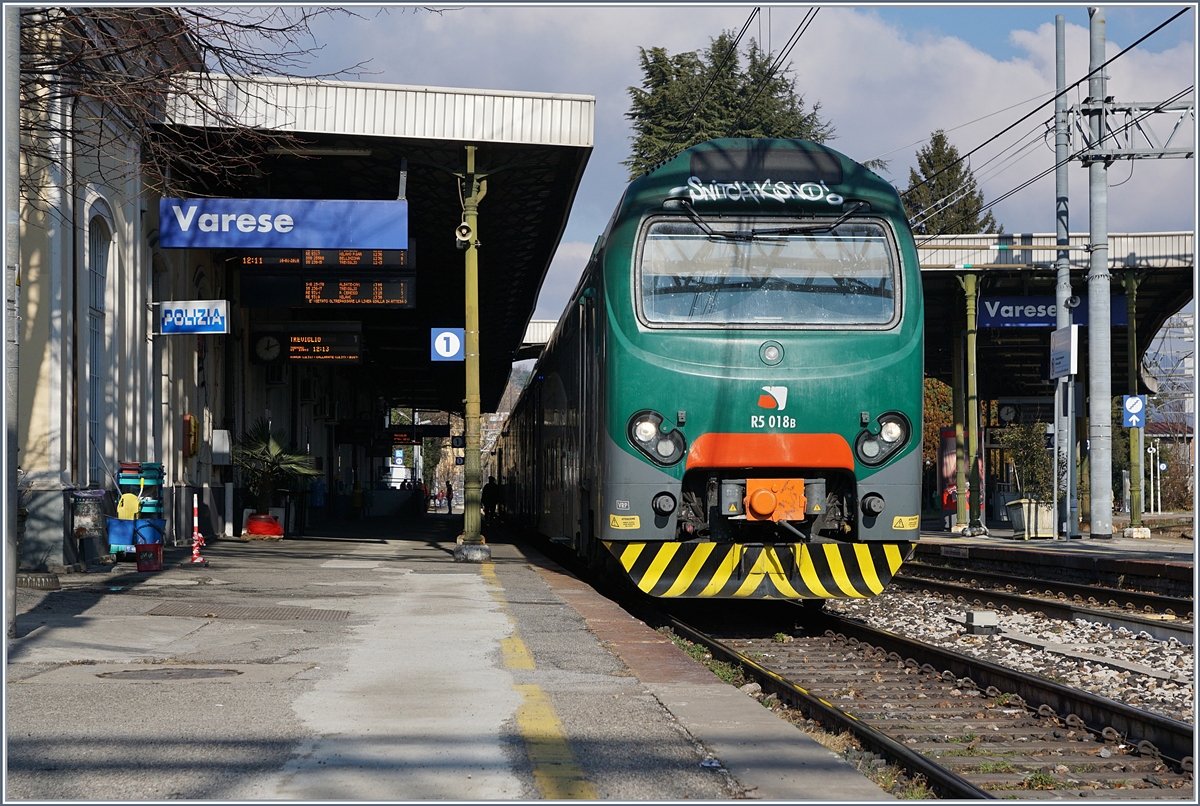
{"x":282,"y":224}
{"x":198,"y":316}
{"x":1038,"y":312}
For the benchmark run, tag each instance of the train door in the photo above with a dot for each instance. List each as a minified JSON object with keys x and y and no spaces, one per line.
{"x":588,"y":407}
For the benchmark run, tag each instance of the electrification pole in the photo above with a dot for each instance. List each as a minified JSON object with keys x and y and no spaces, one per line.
{"x":1064,"y":417}
{"x":1099,"y":291}
{"x":471,"y":546}
{"x":1115,"y":132}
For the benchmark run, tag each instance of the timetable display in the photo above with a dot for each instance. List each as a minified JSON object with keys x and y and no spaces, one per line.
{"x":326,"y":259}
{"x":328,"y":290}
{"x":395,"y":293}
{"x":314,"y":345}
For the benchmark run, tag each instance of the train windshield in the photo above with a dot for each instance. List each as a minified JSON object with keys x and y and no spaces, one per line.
{"x":846,"y":276}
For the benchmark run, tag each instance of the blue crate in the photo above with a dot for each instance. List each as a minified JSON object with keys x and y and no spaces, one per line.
{"x":123,"y":535}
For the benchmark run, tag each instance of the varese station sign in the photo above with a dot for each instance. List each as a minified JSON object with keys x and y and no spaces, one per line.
{"x":282,"y":224}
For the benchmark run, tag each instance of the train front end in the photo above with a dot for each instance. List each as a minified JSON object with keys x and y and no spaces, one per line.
{"x":763,"y":376}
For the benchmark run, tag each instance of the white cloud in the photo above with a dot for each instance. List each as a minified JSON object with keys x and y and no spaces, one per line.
{"x":882,"y":87}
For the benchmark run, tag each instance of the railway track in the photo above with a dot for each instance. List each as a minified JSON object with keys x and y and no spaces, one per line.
{"x":970,"y":728}
{"x":1081,"y":594}
{"x":1162,"y":628}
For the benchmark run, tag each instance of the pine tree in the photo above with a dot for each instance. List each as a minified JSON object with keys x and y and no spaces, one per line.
{"x":949,"y":202}
{"x":702,"y":95}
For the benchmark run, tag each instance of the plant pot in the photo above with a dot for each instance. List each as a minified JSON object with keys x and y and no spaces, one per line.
{"x":1031,"y":518}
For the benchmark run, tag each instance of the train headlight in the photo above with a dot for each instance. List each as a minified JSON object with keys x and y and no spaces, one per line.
{"x":646,"y":434}
{"x":891,"y":435}
{"x":645,"y":429}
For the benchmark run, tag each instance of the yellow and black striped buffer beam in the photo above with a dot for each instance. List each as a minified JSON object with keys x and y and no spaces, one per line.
{"x":779,"y":571}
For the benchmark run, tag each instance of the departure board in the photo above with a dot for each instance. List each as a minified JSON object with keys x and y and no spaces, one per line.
{"x":313,"y":345}
{"x":328,"y":290}
{"x":326,"y":259}
{"x":357,"y":292}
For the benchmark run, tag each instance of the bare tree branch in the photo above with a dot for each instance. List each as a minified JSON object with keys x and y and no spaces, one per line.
{"x":100,"y":79}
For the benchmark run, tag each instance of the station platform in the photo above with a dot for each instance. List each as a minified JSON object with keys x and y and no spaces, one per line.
{"x":361,"y":663}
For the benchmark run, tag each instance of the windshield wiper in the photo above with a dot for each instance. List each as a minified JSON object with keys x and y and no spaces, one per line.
{"x":732,"y":235}
{"x":822,"y":227}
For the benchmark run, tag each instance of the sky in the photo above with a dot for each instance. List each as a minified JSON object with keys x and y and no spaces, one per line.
{"x":886,"y":76}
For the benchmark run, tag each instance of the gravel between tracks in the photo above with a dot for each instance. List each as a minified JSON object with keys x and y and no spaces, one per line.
{"x":935,"y":620}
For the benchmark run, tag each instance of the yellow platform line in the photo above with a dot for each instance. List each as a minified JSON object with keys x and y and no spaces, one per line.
{"x":555,"y":768}
{"x":556,"y":771}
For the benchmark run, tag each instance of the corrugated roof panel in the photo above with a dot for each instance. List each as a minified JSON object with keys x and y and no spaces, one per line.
{"x":392,"y":110}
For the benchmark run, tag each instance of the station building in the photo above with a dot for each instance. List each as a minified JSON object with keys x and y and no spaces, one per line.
{"x":101,"y":384}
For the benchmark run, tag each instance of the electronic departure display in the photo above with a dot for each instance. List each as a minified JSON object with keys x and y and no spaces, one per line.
{"x":316,"y":344}
{"x":326,"y":259}
{"x":357,"y":292}
{"x":327,"y":290}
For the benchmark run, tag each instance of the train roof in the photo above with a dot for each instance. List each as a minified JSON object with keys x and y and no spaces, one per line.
{"x":767,"y":175}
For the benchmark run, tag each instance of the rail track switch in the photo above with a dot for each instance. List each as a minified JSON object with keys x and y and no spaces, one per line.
{"x":983,"y":622}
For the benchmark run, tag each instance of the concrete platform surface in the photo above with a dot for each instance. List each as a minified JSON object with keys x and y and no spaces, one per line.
{"x":363,"y":663}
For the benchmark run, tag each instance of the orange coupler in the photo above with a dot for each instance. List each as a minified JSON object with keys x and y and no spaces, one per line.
{"x":775,"y":500}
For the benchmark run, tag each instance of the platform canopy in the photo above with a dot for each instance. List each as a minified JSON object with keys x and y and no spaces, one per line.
{"x":350,"y":140}
{"x":1017,"y":271}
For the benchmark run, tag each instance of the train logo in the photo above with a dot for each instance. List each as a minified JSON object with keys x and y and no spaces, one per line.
{"x":775,"y":398}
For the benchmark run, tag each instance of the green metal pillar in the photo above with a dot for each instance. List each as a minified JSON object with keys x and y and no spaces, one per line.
{"x":975,"y":486}
{"x":960,"y":450}
{"x":1135,"y":434}
{"x":471,"y":546}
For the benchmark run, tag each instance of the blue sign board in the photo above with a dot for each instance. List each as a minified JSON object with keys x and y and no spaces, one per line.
{"x":1134,"y":411}
{"x":1038,"y":312}
{"x":282,"y":224}
{"x":446,"y":343}
{"x":193,"y":316}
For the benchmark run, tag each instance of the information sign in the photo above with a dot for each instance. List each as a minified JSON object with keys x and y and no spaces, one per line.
{"x":1134,"y":410}
{"x":194,"y":316}
{"x":273,"y":259}
{"x":1064,"y":351}
{"x":325,"y":290}
{"x":311,"y":344}
{"x":282,"y":224}
{"x":446,"y":344}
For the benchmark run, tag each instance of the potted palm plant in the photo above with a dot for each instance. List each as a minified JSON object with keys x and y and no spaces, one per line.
{"x":266,"y":466}
{"x":1032,"y":514}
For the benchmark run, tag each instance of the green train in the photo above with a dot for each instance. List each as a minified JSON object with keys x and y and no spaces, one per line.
{"x":730,"y":406}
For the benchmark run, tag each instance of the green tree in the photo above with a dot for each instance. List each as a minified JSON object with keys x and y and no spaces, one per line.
{"x":701,"y":95}
{"x":943,"y":197}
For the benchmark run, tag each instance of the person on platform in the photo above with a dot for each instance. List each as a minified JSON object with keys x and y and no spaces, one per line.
{"x":491,"y":496}
{"x":449,"y":497}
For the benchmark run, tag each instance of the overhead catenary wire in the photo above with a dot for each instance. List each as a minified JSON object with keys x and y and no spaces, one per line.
{"x":1112,"y":133}
{"x":788,"y":46}
{"x":1065,"y":90}
{"x":1020,"y":149}
{"x":668,"y":151}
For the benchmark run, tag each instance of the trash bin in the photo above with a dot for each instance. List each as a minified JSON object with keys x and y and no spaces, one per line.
{"x":88,"y":522}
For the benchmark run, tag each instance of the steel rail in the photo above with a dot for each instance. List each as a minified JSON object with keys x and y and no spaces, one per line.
{"x":1153,"y":734}
{"x":1162,"y":630}
{"x":943,"y":780}
{"x":1156,"y":602}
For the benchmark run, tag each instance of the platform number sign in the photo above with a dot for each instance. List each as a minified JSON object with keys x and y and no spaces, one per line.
{"x":1134,"y":410}
{"x":446,"y":344}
